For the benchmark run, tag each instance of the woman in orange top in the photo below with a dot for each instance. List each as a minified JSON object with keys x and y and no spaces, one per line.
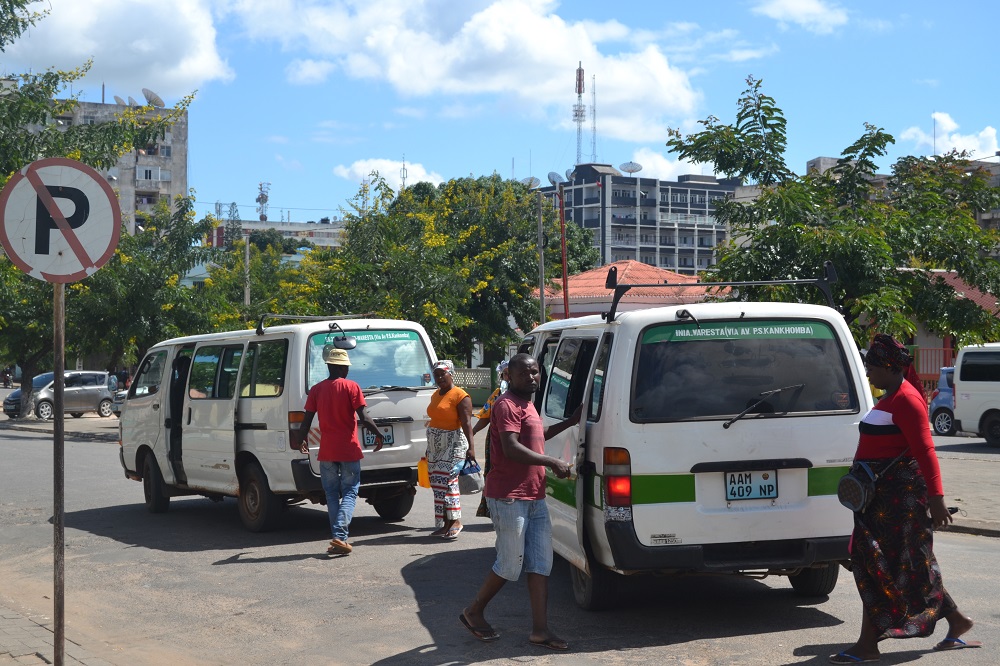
{"x":449,"y":445}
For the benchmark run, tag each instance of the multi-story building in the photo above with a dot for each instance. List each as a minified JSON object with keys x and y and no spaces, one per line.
{"x":147,"y":174}
{"x":325,"y":233}
{"x":668,"y":224}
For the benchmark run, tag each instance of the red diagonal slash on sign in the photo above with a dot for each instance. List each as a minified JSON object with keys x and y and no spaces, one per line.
{"x":50,"y":205}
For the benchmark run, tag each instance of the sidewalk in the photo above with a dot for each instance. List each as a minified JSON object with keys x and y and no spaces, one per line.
{"x":27,"y":641}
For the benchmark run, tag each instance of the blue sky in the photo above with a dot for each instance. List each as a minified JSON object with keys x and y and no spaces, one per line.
{"x":311,"y":95}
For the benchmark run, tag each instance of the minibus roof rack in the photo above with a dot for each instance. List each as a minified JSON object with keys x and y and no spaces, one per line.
{"x":330,"y":318}
{"x":822,"y":283}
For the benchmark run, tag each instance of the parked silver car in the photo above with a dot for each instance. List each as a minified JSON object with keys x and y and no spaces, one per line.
{"x":84,"y":391}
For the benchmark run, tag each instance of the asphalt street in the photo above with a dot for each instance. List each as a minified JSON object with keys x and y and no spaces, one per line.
{"x":970,"y":469}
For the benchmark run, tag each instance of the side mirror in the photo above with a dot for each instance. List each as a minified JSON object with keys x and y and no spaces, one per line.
{"x":345,"y":342}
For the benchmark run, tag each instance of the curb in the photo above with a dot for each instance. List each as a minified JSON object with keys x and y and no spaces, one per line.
{"x":976,"y":527}
{"x":93,"y":436}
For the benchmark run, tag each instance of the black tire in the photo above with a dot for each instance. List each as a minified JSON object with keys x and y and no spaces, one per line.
{"x":43,"y":410}
{"x":104,"y":409}
{"x":396,"y":507}
{"x":991,"y":429}
{"x":76,"y":415}
{"x":259,"y":507}
{"x":943,"y":422}
{"x":816,"y":582}
{"x":153,"y":487}
{"x":596,"y":591}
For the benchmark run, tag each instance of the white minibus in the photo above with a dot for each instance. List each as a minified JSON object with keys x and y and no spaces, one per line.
{"x":714,"y":438}
{"x":210,"y":414}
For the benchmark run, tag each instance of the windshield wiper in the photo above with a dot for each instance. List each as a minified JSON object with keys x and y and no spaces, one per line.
{"x":382,"y":389}
{"x":764,"y":396}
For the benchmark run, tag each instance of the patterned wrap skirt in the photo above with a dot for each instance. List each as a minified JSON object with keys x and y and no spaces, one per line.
{"x":446,"y":451}
{"x":892,"y":556}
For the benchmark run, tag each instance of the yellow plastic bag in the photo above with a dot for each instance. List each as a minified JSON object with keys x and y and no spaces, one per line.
{"x":423,"y":474}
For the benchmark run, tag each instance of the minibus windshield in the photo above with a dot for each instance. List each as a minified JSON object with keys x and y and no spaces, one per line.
{"x":382,"y":358}
{"x":719,"y":370}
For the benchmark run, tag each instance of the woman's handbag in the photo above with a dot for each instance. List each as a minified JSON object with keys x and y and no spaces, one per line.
{"x":470,"y":479}
{"x":857,"y":488}
{"x":423,"y":474}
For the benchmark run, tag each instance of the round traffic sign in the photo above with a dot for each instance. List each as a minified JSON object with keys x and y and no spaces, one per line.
{"x":61,"y":220}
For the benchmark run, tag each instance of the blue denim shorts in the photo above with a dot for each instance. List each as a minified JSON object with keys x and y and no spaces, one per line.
{"x":524,"y":537}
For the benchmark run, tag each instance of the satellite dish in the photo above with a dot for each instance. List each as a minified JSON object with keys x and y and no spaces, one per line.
{"x":531,"y":182}
{"x":631,"y":167}
{"x":153,"y":98}
{"x":570,"y":173}
{"x":132,"y":102}
{"x":555,"y":178}
{"x":119,"y":100}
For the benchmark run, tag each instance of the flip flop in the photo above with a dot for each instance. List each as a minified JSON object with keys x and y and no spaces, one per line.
{"x":551,"y":643}
{"x":485,"y":634}
{"x":845,"y":658}
{"x":950,"y":643}
{"x":452,"y":534}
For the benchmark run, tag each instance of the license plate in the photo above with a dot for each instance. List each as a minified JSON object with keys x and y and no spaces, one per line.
{"x":387,"y":439}
{"x":756,"y":484}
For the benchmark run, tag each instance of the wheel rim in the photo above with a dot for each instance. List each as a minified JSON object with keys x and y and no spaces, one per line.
{"x":993,"y":430}
{"x":44,"y":411}
{"x":251,"y":500}
{"x":105,"y":408}
{"x":942,"y":423}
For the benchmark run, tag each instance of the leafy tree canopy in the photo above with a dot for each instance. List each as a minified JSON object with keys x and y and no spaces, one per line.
{"x":885,"y":234}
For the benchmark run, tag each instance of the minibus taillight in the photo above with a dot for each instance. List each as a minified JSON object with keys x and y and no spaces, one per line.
{"x":617,"y":477}
{"x":295,"y":420}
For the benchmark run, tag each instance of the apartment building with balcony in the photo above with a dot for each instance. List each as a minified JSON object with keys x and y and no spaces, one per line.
{"x":148,"y":174}
{"x":667,"y":224}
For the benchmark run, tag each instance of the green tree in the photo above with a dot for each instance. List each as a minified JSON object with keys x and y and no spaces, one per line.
{"x":234,"y":227}
{"x":883,"y":234}
{"x":137,"y":299}
{"x":29,"y":106}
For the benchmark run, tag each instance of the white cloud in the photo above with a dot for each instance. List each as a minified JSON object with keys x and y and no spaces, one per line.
{"x":387,"y":169}
{"x":166,"y":46}
{"x":291,"y":164}
{"x":518,"y":50}
{"x":816,"y":16}
{"x":308,"y":72}
{"x":657,"y":165}
{"x":945,"y":137}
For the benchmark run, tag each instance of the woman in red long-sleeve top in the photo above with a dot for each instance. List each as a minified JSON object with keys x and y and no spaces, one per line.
{"x":892,"y":553}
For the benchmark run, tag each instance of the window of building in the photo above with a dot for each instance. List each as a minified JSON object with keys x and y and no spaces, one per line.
{"x":89,"y":120}
{"x":165,"y":151}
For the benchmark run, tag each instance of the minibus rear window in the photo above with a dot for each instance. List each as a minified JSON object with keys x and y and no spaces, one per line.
{"x":717,"y":370}
{"x":381,"y":359}
{"x":980,"y":367}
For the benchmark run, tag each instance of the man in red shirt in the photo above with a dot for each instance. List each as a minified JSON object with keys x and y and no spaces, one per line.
{"x":340,"y":405}
{"x":515,"y":494}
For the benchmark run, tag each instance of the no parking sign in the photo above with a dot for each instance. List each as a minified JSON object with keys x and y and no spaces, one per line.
{"x":61,"y":220}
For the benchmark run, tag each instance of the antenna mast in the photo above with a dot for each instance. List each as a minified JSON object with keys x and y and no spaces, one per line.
{"x":402,"y":174}
{"x":579,"y":113}
{"x":264,"y":188}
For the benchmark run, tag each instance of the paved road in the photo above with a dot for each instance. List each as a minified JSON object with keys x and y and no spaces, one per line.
{"x":191,"y":586}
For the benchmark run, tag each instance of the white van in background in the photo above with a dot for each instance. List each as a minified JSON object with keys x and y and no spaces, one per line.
{"x":211,"y":414}
{"x":714,"y":439}
{"x":977,"y":391}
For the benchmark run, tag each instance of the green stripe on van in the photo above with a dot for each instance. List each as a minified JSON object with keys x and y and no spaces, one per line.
{"x":561,"y":490}
{"x":824,"y":480}
{"x":662,"y":488}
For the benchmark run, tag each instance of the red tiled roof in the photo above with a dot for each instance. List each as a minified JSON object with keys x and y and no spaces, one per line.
{"x":589,"y":285}
{"x":984,"y":300}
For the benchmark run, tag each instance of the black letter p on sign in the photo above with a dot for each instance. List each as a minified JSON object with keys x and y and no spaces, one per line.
{"x":44,"y":224}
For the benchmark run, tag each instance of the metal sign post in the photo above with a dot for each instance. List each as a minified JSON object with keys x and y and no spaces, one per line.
{"x":60,"y":223}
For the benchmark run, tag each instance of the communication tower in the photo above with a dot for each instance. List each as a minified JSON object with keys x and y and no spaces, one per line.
{"x":579,"y":113}
{"x":263,"y":189}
